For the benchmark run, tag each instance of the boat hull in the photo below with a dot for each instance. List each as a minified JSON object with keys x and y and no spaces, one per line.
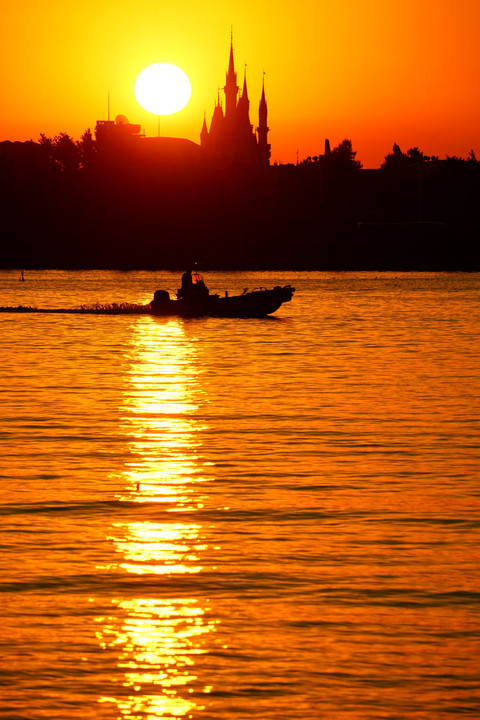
{"x":258,"y":303}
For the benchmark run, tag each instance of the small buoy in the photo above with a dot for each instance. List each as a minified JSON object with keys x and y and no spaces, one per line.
{"x":138,"y":486}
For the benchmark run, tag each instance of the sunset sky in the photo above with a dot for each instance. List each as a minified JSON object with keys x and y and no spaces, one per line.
{"x":377,"y":72}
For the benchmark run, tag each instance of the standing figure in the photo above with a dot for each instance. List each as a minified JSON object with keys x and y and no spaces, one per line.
{"x":185,"y":291}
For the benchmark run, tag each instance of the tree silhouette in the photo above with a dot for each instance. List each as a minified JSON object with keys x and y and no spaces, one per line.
{"x":342,"y":157}
{"x":416,"y":156}
{"x":61,"y":153}
{"x":87,"y":149}
{"x":395,"y":159}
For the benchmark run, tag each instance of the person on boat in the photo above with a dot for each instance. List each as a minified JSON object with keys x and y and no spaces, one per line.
{"x":193,"y":288}
{"x":199,"y":288}
{"x":184,"y":292}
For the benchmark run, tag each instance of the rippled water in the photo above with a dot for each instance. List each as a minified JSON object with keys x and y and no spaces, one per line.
{"x":217,"y":518}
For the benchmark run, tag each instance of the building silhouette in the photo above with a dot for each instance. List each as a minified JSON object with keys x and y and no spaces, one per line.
{"x":116,"y":131}
{"x":232,"y":137}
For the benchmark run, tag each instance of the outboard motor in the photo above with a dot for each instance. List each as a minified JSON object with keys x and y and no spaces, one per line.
{"x":160,"y":297}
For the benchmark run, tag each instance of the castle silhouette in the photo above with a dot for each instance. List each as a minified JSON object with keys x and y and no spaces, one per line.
{"x":231,"y":136}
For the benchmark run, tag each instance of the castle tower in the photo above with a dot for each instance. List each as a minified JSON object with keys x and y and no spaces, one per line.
{"x":204,"y":132}
{"x":244,"y":127}
{"x":231,"y":88}
{"x":217,"y":126}
{"x":244,"y":102}
{"x":232,"y":137}
{"x":264,"y":149}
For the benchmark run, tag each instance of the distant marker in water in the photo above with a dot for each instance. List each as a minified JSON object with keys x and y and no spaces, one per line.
{"x":138,"y":486}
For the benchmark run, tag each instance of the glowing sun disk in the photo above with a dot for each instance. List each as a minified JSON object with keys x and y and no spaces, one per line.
{"x":162,"y":89}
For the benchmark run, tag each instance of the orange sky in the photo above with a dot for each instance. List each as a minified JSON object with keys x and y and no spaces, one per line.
{"x":374,"y":71}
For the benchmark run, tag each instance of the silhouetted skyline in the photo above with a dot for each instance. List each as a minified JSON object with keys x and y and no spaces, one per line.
{"x":377,"y":73}
{"x":231,"y":134}
{"x":132,"y":203}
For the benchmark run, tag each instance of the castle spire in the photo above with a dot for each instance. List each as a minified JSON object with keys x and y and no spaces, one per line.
{"x":263,"y":129}
{"x":243,"y":118}
{"x":204,"y":131}
{"x":263,"y":102}
{"x":244,"y":103}
{"x":231,"y":88}
{"x":231,"y":63}
{"x":244,"y":91}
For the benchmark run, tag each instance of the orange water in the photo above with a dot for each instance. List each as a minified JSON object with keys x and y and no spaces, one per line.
{"x":218,"y":518}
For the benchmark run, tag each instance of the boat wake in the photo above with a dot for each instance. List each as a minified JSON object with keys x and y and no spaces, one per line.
{"x":97,"y":309}
{"x":193,"y":300}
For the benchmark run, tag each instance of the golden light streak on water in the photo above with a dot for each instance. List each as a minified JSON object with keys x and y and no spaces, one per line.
{"x":156,"y":648}
{"x":159,"y":638}
{"x":342,"y":582}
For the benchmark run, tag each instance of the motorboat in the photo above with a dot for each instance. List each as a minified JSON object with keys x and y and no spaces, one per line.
{"x":194,"y":300}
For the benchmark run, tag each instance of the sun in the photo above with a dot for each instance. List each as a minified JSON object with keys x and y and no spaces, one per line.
{"x":162,"y":89}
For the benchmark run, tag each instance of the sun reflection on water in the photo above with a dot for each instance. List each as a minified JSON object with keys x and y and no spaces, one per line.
{"x":157,"y":646}
{"x":159,"y":548}
{"x":156,"y":639}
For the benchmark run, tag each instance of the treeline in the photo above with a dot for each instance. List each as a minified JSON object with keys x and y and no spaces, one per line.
{"x":76,"y":204}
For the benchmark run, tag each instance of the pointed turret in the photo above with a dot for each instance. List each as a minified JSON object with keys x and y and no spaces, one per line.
{"x":262,"y":108}
{"x":245,"y":91}
{"x":204,"y":131}
{"x":244,"y":102}
{"x":231,"y":63}
{"x":263,"y":129}
{"x":231,"y":88}
{"x":216,"y":126}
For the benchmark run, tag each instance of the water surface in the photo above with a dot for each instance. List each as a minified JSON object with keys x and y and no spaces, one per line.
{"x":226,"y":519}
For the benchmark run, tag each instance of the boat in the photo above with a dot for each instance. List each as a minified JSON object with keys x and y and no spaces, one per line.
{"x":194,"y":300}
